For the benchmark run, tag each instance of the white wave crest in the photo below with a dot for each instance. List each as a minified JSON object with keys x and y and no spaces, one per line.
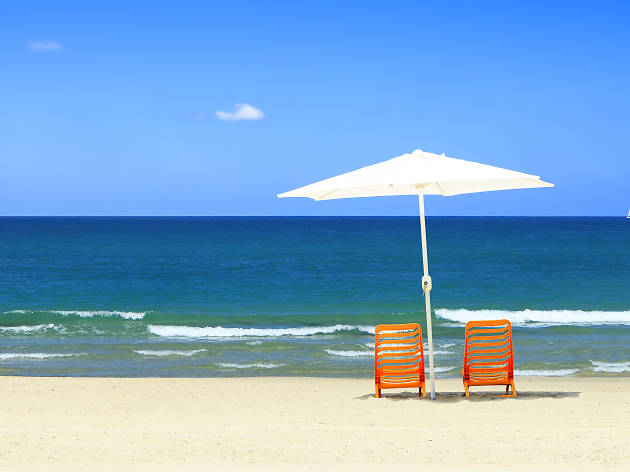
{"x":166,"y":353}
{"x":33,"y":355}
{"x":220,"y":332}
{"x":611,"y":366}
{"x":552,"y":317}
{"x":26,"y":329}
{"x":255,"y":365}
{"x":439,"y":370}
{"x":128,"y":315}
{"x":349,"y":353}
{"x":436,"y":352}
{"x":426,"y":348}
{"x":547,"y":373}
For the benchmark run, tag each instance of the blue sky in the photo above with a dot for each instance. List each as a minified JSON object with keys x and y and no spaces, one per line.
{"x":109,"y":108}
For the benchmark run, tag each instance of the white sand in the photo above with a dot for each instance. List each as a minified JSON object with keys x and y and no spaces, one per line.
{"x":309,"y":424}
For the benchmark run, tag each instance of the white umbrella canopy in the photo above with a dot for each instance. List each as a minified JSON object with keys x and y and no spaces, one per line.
{"x":419,"y":173}
{"x":404,"y":175}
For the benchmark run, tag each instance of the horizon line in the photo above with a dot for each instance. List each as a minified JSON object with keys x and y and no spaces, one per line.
{"x":311,"y":216}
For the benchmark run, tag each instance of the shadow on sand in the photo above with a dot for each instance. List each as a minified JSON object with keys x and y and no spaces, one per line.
{"x":452,"y":397}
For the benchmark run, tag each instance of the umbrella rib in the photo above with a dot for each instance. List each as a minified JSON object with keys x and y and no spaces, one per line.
{"x":326,"y":194}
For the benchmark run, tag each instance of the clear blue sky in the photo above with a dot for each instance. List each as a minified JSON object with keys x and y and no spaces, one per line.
{"x":108,"y":108}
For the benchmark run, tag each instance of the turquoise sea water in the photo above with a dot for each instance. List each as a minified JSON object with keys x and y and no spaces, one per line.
{"x":300,"y":296}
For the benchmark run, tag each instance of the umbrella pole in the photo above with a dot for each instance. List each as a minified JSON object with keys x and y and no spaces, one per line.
{"x":426,"y":288}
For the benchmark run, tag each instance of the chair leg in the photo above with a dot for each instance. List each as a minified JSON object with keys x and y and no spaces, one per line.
{"x":466,"y":389}
{"x":507,"y":390}
{"x":378,"y":392}
{"x":424,"y":390}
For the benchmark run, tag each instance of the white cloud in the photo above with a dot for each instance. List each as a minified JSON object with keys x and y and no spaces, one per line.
{"x":40,"y":46}
{"x":242,"y":111}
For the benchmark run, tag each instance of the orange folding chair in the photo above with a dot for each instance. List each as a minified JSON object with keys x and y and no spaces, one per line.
{"x":398,"y":357}
{"x":488,"y":357}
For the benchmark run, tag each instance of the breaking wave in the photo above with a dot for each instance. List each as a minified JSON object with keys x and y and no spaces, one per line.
{"x":27,"y":329}
{"x":436,"y":352}
{"x":167,"y":353}
{"x":349,"y":353}
{"x":616,"y":367}
{"x":550,"y":317}
{"x":547,"y":373}
{"x":128,"y":315}
{"x":220,"y":332}
{"x":255,"y":365}
{"x":33,"y":355}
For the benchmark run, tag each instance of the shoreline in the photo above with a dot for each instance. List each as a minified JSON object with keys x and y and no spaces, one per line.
{"x":577,"y":376}
{"x":310,"y":423}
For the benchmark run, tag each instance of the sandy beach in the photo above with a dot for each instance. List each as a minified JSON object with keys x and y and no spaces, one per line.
{"x":309,"y":424}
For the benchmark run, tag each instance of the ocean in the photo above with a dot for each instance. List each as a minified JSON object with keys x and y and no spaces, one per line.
{"x":300,"y":296}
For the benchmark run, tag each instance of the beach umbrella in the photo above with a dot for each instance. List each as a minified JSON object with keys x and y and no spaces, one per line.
{"x":419,"y":173}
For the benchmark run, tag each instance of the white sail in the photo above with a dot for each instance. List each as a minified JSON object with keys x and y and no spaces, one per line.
{"x":628,"y":214}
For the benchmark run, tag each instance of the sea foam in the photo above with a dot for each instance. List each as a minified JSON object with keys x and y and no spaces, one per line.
{"x":27,"y":329}
{"x":128,"y":315}
{"x":616,"y":367}
{"x":33,"y":355}
{"x":166,"y":353}
{"x":547,"y":373}
{"x":254,"y":365}
{"x":551,"y":317}
{"x":349,"y":353}
{"x":220,"y":332}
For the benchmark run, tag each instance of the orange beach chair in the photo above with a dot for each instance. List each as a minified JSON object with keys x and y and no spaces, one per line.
{"x":488,"y":357}
{"x":398,"y":357}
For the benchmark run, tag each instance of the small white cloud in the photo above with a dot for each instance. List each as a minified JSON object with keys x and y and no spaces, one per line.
{"x":242,"y":111}
{"x":40,"y":46}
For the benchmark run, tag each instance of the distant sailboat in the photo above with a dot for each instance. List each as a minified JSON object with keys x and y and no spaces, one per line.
{"x":628,"y":214}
